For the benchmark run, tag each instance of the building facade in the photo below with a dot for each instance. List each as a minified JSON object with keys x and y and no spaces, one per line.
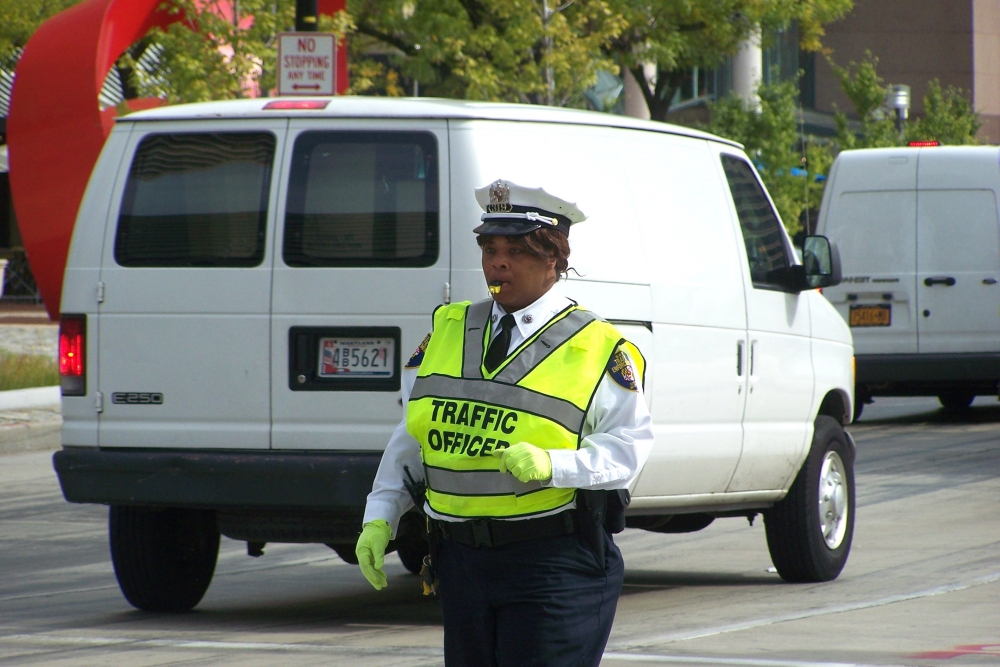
{"x":956,"y":42}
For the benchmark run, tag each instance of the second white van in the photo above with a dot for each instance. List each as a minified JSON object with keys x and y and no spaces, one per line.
{"x":919,"y":235}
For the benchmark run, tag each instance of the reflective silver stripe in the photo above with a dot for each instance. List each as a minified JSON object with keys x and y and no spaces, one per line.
{"x":544,"y":345}
{"x":558,"y":410}
{"x":477,"y":483}
{"x":476,"y":317}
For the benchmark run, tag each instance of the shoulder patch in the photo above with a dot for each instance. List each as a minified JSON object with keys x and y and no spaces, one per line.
{"x":622,"y":371}
{"x":418,"y":355}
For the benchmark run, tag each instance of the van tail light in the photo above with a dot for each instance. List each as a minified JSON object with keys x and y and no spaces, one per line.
{"x":72,"y":354}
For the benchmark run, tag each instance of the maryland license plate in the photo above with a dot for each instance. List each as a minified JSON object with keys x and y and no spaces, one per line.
{"x":879,"y":315}
{"x":357,"y":357}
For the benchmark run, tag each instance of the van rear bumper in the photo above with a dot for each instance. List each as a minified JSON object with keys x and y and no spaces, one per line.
{"x":217,"y":480}
{"x":927,"y":374}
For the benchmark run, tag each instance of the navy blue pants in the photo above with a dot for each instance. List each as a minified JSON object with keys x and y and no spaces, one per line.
{"x":544,"y":602}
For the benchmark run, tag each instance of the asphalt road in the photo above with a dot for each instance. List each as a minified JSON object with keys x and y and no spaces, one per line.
{"x":922,"y":586}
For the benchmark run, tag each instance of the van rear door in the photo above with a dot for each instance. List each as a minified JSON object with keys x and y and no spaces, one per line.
{"x":958,"y":250}
{"x":363,"y":259}
{"x":186,"y":272}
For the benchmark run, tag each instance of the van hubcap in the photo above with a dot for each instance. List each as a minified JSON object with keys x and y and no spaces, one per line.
{"x":833,"y":507}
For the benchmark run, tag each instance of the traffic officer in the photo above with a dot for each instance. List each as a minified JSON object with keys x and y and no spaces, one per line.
{"x":524,"y":418}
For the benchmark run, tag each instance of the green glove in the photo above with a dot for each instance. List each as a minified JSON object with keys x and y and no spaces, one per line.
{"x":375,"y":535}
{"x":526,"y":462}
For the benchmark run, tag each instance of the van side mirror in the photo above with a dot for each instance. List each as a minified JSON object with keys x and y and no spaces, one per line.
{"x":821,"y":261}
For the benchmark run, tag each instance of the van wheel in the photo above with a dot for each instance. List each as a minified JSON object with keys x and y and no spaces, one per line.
{"x":163,"y":558}
{"x":809,"y":532}
{"x":956,"y":400}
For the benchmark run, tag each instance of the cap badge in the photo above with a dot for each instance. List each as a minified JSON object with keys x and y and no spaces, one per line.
{"x":499,"y":198}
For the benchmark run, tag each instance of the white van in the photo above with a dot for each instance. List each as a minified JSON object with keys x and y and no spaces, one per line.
{"x":245,"y":278}
{"x":920,"y":239}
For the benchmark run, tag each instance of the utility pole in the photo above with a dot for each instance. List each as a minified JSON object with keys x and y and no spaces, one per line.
{"x":550,"y":79}
{"x":306,"y":16}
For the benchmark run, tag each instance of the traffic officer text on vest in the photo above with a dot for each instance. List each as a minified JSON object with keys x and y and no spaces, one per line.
{"x":526,"y":420}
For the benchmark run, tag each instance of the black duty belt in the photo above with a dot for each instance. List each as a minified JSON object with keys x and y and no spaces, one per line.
{"x":497,"y":533}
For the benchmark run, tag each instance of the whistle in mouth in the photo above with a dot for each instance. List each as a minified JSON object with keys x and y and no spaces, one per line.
{"x":494,"y":286}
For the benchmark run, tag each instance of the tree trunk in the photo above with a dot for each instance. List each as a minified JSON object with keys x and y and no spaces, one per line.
{"x":658,"y":99}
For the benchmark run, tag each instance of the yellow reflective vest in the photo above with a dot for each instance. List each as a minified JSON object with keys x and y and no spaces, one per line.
{"x":461,"y":414}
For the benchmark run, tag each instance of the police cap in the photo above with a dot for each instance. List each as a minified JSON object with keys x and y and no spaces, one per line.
{"x":513,"y":210}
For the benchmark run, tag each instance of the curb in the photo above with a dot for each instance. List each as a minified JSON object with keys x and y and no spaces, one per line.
{"x":36,"y":397}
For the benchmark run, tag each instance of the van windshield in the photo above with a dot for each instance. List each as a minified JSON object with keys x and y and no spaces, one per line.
{"x":362,"y":199}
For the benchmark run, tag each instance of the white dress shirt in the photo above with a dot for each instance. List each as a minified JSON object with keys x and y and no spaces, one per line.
{"x":617,"y":433}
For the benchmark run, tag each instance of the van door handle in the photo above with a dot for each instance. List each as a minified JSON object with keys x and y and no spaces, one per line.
{"x":949,"y":281}
{"x":989,"y":281}
{"x":739,"y":358}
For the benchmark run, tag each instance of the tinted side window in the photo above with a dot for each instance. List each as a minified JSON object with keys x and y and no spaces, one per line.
{"x":362,"y":199}
{"x":196,"y":200}
{"x":765,"y":242}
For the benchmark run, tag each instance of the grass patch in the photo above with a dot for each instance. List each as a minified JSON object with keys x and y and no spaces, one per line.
{"x":20,"y":371}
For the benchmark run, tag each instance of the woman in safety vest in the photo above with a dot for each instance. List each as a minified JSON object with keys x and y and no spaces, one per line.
{"x":526,"y":421}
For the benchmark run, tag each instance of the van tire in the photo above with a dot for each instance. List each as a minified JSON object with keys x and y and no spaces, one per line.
{"x":795,"y":526}
{"x":956,"y":400}
{"x":163,"y":558}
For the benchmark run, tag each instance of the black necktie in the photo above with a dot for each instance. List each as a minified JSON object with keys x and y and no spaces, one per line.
{"x":498,"y":348}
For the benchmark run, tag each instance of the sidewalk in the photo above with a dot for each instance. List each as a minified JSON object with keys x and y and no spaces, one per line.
{"x":30,"y":419}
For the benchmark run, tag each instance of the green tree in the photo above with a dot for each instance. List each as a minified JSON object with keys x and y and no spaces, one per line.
{"x":209,"y":56}
{"x":20,"y":18}
{"x":948,"y":118}
{"x":678,"y":36}
{"x":534,"y":51}
{"x":866,"y":90}
{"x":948,"y":115}
{"x":789,"y":162}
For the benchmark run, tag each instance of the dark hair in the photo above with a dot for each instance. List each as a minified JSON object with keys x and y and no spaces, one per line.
{"x":544,"y":244}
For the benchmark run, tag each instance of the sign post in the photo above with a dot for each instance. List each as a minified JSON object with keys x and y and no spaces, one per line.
{"x":307,"y":63}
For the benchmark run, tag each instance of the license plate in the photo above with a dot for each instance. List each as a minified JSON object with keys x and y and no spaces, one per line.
{"x":879,"y":315}
{"x":357,"y":357}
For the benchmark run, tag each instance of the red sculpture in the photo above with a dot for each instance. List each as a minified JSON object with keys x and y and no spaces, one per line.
{"x":55,"y":129}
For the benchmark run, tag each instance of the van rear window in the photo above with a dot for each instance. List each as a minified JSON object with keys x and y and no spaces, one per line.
{"x":196,"y":199}
{"x":362,"y":199}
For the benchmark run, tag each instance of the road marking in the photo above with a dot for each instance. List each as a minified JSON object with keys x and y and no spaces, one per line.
{"x":429,"y":652}
{"x":64,"y":640}
{"x":667,"y":638}
{"x":737,"y":662}
{"x":616,"y":653}
{"x":69,"y":591}
{"x":965,"y":649}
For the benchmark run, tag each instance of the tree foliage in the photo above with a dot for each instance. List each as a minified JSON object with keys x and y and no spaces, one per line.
{"x":793,"y":165}
{"x":213,"y":54}
{"x":20,"y":18}
{"x":535,"y":51}
{"x":679,"y":36}
{"x":789,"y":162}
{"x":948,"y":114}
